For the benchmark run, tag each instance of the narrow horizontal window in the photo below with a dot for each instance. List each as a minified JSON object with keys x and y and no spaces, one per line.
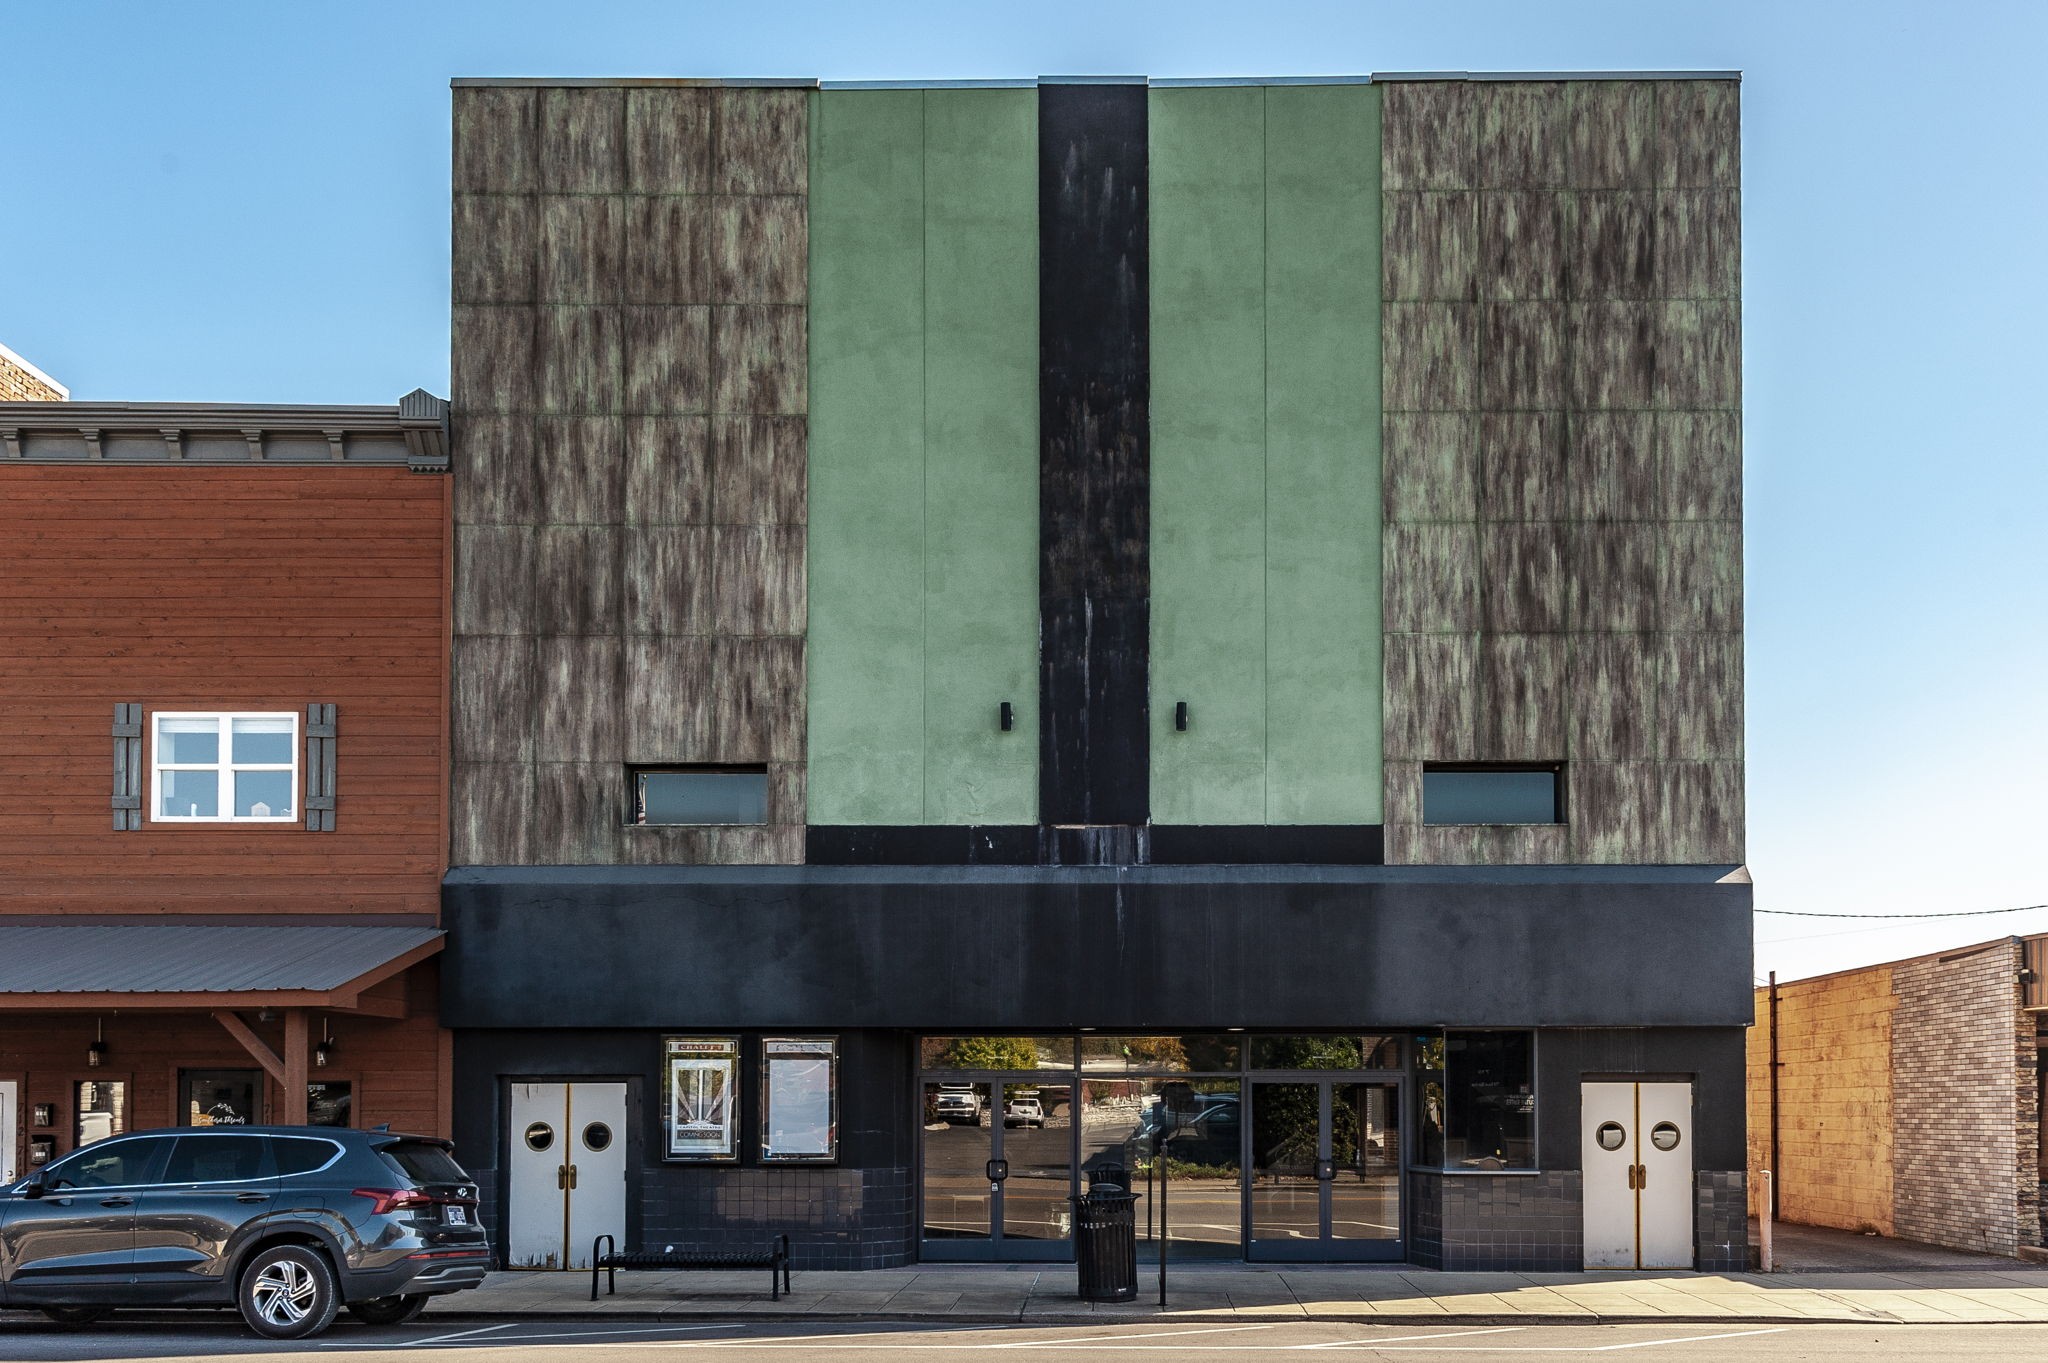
{"x":225,"y":768}
{"x":700,"y":795}
{"x":1493,"y":794}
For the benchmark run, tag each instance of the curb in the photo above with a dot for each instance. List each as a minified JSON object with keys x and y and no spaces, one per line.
{"x":1172,"y":1317}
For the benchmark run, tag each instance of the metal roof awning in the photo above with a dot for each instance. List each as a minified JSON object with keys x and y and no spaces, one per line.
{"x":210,"y":966}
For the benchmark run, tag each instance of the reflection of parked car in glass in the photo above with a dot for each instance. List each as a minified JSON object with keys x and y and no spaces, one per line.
{"x":961,"y":1104}
{"x":1024,"y":1112}
{"x":1209,"y":1134}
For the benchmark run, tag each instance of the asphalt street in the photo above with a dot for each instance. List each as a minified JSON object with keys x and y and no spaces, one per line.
{"x":596,"y":1342}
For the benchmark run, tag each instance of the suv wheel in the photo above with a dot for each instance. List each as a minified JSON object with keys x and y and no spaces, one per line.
{"x":77,"y":1315}
{"x":388,"y":1310}
{"x":288,"y":1292}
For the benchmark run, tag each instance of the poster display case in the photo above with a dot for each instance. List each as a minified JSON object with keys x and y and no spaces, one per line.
{"x":700,"y":1098}
{"x":799,"y":1100}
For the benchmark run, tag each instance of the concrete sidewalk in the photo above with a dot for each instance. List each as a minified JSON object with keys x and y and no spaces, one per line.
{"x":1046,"y":1294}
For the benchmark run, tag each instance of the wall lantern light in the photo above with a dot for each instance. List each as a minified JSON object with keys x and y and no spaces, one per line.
{"x":96,"y":1053}
{"x":323,"y":1052}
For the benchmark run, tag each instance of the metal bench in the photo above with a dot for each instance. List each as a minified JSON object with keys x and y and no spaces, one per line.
{"x":608,"y":1261}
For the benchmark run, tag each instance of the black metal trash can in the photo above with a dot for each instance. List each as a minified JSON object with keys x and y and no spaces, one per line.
{"x":1106,"y":1243}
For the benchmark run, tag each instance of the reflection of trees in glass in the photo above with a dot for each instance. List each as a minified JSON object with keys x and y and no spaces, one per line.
{"x":1284,"y":1125}
{"x":985,"y":1053}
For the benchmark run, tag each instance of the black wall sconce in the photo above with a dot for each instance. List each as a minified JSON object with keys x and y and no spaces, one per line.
{"x":96,"y":1053}
{"x":1006,"y":715}
{"x":323,"y":1052}
{"x":1180,"y":716}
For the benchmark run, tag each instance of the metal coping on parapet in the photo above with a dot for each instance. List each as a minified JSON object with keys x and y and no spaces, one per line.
{"x":1032,"y":82}
{"x":614,"y":82}
{"x":1392,"y":76}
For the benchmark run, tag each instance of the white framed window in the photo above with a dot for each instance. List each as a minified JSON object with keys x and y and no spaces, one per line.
{"x":224,"y":768}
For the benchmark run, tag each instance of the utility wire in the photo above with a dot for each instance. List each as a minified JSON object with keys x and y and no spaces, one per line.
{"x":1964,"y":913}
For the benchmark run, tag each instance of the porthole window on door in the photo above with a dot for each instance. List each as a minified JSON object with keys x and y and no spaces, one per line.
{"x":597,"y":1136}
{"x":1612,"y":1137}
{"x":539,"y":1136}
{"x":1664,"y":1135}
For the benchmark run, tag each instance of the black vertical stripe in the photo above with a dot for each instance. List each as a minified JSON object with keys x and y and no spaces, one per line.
{"x":1094,"y":400}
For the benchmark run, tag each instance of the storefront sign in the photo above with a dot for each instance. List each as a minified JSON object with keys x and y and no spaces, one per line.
{"x":700,"y":1097}
{"x":800,"y":1100}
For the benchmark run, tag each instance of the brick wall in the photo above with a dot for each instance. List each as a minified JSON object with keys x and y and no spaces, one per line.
{"x":1835,"y":1099}
{"x":23,"y":382}
{"x":1960,"y":1060}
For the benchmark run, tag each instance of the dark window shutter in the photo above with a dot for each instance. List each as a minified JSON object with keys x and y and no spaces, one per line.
{"x":319,"y":794}
{"x":127,"y":767}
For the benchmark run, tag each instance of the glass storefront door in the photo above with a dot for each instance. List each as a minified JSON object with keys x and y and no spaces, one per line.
{"x":998,"y":1170}
{"x":1325,"y":1178}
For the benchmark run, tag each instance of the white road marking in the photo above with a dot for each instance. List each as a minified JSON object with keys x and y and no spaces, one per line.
{"x":1403,"y":1339}
{"x":436,"y":1339}
{"x":1566,"y":1348}
{"x":1118,"y":1339}
{"x":554,"y":1334}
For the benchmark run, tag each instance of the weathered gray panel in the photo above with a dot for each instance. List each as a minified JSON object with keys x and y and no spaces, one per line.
{"x":493,"y":364}
{"x":1700,"y":711}
{"x":666,"y":250}
{"x":669,"y":681}
{"x":496,"y":140}
{"x":491,"y":813}
{"x":1699,"y":349}
{"x":577,"y":352}
{"x":659,"y":845}
{"x":1614,"y":245}
{"x":1439,"y":236}
{"x":1522,"y":697}
{"x":493,"y":254}
{"x":760,"y":250}
{"x":669,"y":578}
{"x":1431,"y":356}
{"x":1613,"y":135}
{"x":1522,"y":237}
{"x":1612,"y":474}
{"x":1490,"y":845}
{"x":761,"y":142}
{"x":578,"y":813}
{"x":667,"y":360}
{"x":494,"y":579}
{"x":1523,"y":577}
{"x":1522,"y":134}
{"x":1432,"y":696}
{"x":758,"y":701}
{"x":759,"y":470}
{"x":1427,"y":135}
{"x":758,"y":360}
{"x":1430,"y":466}
{"x":1615,"y":685}
{"x":1701,"y":576}
{"x":493,"y":698}
{"x":576,"y":580}
{"x":583,"y":141}
{"x":1614,"y":354}
{"x":1704,"y":815}
{"x":1699,"y":243}
{"x":1522,"y":468}
{"x":1522,"y":356}
{"x":759,"y":580}
{"x":668,"y":470}
{"x":1614,"y":577}
{"x":668,"y":140}
{"x":582,"y":465}
{"x":495,"y":483}
{"x":1432,"y":578}
{"x":576,"y":713}
{"x":582,"y":239}
{"x":1699,"y":134}
{"x":1699,"y":465}
{"x":1616,"y":811}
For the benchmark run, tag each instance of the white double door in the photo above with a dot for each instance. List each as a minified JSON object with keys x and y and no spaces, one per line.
{"x":1637,"y":1149}
{"x":567,"y":1172}
{"x":10,"y":1132}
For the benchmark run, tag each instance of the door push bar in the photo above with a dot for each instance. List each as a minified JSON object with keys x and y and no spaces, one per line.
{"x":565,"y":1176}
{"x":1638,"y":1176}
{"x":998,"y":1170}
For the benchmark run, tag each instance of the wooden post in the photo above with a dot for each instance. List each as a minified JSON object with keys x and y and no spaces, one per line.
{"x":295,"y":1059}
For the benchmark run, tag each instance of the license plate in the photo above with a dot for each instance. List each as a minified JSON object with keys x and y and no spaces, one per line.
{"x":458,"y":1216}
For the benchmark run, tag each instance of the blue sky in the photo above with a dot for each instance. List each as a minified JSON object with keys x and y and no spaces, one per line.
{"x":248,"y":202}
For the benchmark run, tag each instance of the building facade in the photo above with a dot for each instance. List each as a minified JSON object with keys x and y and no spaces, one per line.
{"x":1187,"y":633}
{"x":1906,"y":1098}
{"x":222,"y":768}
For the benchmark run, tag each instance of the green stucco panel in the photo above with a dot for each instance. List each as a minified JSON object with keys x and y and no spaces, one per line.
{"x":924,"y":456}
{"x":1265,"y":454}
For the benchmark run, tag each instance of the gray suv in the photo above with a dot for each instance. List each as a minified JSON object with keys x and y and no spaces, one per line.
{"x":288,"y":1224}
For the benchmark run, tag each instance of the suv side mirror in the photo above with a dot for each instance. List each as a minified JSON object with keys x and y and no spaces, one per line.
{"x":32,"y":1189}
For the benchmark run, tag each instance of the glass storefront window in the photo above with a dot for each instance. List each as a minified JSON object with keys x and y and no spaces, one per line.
{"x":1476,"y":1100}
{"x":220,"y":1097}
{"x":1161,"y":1054}
{"x":1122,"y":1122}
{"x":329,"y":1102}
{"x":1326,"y":1052}
{"x":101,"y":1106}
{"x":986,"y":1053}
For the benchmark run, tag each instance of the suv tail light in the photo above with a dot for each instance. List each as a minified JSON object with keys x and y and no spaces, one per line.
{"x":394,"y":1199}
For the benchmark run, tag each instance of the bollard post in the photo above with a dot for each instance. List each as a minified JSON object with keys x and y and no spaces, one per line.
{"x":1766,"y":1213}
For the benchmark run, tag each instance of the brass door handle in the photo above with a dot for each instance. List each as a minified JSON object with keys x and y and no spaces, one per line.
{"x":572,"y":1176}
{"x":562,"y":1177}
{"x":1638,"y":1177}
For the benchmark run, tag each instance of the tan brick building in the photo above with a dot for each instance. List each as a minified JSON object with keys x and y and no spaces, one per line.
{"x":1909,"y":1096}
{"x":21,"y":381}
